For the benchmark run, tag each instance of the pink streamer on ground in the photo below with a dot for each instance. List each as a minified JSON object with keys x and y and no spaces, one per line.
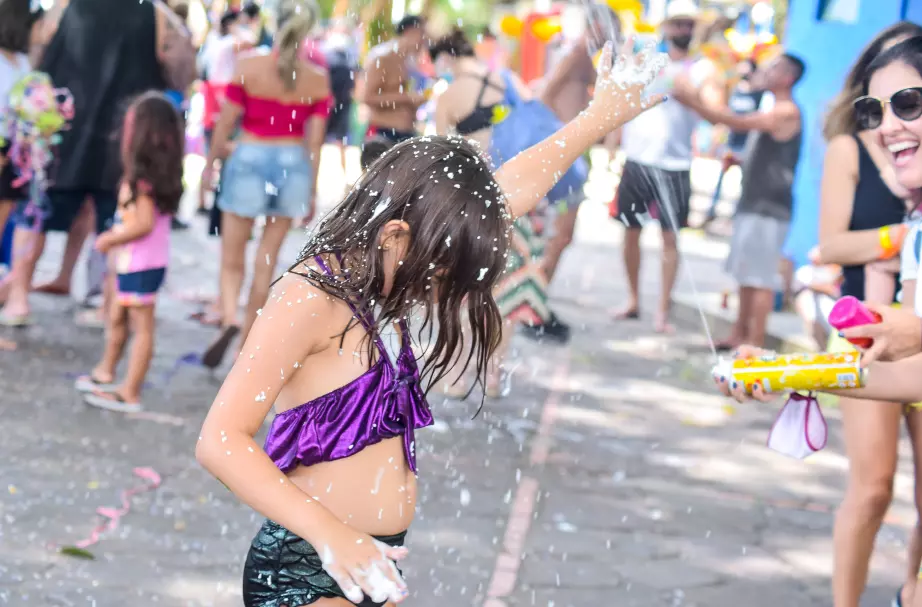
{"x":112,"y":516}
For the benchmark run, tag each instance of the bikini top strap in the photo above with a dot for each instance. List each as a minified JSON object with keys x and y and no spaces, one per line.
{"x":366,"y":319}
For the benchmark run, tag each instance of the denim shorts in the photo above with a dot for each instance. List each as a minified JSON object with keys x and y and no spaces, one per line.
{"x":264,"y":179}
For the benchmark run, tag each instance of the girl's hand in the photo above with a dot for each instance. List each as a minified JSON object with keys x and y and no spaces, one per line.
{"x":734,"y":389}
{"x":104,"y":242}
{"x":897,"y":335}
{"x":362,"y":566}
{"x":619,"y":87}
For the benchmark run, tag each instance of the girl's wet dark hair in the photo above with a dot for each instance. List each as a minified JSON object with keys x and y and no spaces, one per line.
{"x":455,"y":44}
{"x":840,"y":119}
{"x":456,"y":249}
{"x":16,"y":20}
{"x":908,"y":51}
{"x":152,"y":149}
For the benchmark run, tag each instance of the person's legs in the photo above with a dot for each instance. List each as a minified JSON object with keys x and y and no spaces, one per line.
{"x":76,"y":236}
{"x":564,"y":227}
{"x":235,"y":232}
{"x":739,"y":334}
{"x":871,"y":431}
{"x":116,"y":337}
{"x":670,"y":269}
{"x":673,"y":193}
{"x":141,"y":320}
{"x":266,"y":258}
{"x":909,"y":593}
{"x":27,"y":249}
{"x":634,"y":197}
{"x":763,"y":302}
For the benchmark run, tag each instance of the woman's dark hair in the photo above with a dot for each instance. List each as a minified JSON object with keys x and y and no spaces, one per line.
{"x":908,"y":51}
{"x":373,"y":149}
{"x":455,"y":44}
{"x":152,"y":150}
{"x":840,"y":118}
{"x":457,"y":222}
{"x":16,"y":21}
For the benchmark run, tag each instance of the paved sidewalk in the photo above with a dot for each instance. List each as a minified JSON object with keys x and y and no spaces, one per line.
{"x":612,"y":474}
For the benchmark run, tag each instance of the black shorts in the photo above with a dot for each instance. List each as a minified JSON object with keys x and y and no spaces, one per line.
{"x":654,"y":192}
{"x":8,"y":174}
{"x":338,"y":123}
{"x":63,"y":206}
{"x":393,"y":135}
{"x":283,"y":569}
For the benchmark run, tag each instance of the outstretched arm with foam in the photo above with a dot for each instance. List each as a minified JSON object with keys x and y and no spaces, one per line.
{"x":527,"y":178}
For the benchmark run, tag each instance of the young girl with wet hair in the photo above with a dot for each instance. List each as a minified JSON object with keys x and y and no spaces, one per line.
{"x":422,"y":235}
{"x":152,"y":150}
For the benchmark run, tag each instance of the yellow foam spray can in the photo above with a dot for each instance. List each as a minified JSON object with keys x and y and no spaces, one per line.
{"x":806,"y":372}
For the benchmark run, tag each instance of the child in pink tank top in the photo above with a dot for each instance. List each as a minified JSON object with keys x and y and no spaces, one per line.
{"x":138,"y":246}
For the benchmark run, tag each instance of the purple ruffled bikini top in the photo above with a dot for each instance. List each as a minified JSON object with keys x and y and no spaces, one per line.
{"x":384,"y":402}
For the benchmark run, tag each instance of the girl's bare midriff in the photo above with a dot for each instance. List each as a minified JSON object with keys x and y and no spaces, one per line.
{"x":374,"y":490}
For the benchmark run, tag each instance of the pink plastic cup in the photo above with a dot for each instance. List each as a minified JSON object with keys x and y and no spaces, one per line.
{"x":849,"y":312}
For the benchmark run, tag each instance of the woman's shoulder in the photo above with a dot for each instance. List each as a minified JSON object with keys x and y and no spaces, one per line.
{"x":843,"y":148}
{"x":313,"y":80}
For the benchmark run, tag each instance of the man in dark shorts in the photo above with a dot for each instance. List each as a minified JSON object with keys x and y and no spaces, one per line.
{"x":155,"y":52}
{"x":389,"y":92}
{"x":656,"y":181}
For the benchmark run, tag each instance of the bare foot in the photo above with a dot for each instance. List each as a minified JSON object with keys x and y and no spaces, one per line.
{"x":55,"y":288}
{"x":7,"y":346}
{"x":629,"y":312}
{"x":661,"y":323}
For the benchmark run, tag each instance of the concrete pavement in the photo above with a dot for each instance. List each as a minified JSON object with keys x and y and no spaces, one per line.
{"x":611,"y":475}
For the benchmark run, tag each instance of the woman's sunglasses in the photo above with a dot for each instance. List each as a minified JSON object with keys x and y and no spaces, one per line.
{"x":906,"y":105}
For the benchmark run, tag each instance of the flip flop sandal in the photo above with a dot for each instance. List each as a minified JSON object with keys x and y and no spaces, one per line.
{"x":111,"y":401}
{"x":15,"y":322}
{"x":89,"y":384}
{"x":88,"y":318}
{"x":898,"y":599}
{"x":216,"y":351}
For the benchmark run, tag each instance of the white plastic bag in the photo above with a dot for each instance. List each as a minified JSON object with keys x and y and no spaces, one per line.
{"x":800,"y":428}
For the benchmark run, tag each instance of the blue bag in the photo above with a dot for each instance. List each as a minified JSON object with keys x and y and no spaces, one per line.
{"x":529,"y":123}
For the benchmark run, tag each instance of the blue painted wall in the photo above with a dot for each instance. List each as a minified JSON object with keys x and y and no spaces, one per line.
{"x":828,"y":49}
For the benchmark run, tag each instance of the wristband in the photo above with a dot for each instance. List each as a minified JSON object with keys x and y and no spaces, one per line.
{"x":891,"y":240}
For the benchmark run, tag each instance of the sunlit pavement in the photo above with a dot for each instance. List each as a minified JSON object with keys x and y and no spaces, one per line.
{"x":611,"y":475}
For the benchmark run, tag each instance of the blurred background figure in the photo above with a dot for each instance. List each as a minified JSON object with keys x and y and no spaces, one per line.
{"x":154,"y":52}
{"x":744,"y":99}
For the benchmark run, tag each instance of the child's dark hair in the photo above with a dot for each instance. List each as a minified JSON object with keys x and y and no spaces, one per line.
{"x":373,"y":149}
{"x":456,"y":230}
{"x":455,"y":44}
{"x":908,"y":51}
{"x":153,"y":142}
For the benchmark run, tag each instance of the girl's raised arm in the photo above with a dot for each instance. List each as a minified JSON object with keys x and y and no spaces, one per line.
{"x":527,"y":178}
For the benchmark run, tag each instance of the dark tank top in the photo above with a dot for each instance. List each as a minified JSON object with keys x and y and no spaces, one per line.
{"x":874,"y":206}
{"x":104,"y":53}
{"x":768,"y":177}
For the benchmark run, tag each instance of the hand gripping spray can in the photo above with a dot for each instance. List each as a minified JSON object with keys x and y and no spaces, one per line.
{"x":804,"y":372}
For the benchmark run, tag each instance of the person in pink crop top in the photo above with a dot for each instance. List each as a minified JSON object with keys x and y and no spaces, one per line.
{"x":152,"y":146}
{"x":281,"y":102}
